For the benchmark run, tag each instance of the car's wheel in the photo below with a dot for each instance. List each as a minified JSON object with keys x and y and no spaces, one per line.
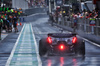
{"x":80,"y":47}
{"x":50,"y":53}
{"x":42,"y":47}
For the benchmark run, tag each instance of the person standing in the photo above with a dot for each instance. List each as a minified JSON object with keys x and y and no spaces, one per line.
{"x":10,"y":23}
{"x":59,"y":19}
{"x":15,"y":23}
{"x":1,"y":21}
{"x":75,"y":17}
{"x":51,"y":19}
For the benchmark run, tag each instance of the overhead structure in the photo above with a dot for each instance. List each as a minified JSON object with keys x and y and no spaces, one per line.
{"x":20,"y":4}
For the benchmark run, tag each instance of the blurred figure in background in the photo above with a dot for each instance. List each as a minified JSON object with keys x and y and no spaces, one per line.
{"x":1,"y":22}
{"x":15,"y":23}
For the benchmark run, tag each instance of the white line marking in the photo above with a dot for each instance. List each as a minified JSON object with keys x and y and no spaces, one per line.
{"x":12,"y":53}
{"x":91,"y":42}
{"x":36,"y":47}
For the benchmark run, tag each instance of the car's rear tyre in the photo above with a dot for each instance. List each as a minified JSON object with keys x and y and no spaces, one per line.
{"x":80,"y":48}
{"x":42,"y":47}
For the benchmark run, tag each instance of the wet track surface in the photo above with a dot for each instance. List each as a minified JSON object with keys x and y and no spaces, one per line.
{"x":6,"y":46}
{"x":42,"y":28}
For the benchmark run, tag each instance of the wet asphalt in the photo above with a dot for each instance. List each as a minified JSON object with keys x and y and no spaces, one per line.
{"x":6,"y":45}
{"x":41,"y":28}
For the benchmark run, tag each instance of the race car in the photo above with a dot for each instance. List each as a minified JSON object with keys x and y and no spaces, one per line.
{"x":61,"y":44}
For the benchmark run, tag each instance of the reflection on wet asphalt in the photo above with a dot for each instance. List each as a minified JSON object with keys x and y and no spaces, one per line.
{"x":61,"y":61}
{"x":92,"y":57}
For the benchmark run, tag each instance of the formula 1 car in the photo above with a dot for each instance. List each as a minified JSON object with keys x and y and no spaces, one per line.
{"x":61,"y":43}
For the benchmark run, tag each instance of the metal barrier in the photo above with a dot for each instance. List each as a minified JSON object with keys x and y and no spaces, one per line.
{"x":84,"y":25}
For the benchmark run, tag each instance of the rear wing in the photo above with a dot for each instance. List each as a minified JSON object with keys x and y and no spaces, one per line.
{"x":62,"y":35}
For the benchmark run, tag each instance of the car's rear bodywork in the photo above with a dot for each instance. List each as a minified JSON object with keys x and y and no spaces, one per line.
{"x":61,"y":43}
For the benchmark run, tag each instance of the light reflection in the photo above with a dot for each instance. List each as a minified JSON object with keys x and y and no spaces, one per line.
{"x":75,"y":62}
{"x":49,"y":62}
{"x":62,"y":61}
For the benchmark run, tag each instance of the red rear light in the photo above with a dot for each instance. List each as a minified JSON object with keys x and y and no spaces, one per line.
{"x":74,"y":40}
{"x":49,"y":40}
{"x":62,"y":47}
